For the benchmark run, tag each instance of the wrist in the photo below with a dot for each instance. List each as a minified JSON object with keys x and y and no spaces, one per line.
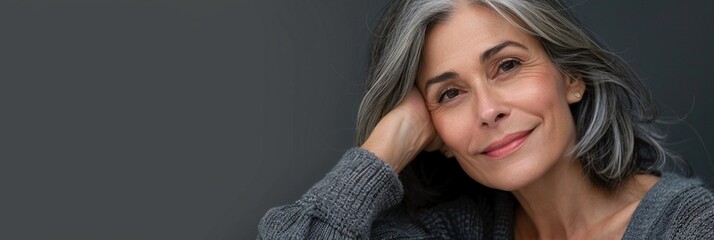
{"x":396,"y":140}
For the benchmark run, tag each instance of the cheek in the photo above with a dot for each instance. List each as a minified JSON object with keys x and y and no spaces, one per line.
{"x":545,"y":98}
{"x":539,"y":94}
{"x":454,"y":126}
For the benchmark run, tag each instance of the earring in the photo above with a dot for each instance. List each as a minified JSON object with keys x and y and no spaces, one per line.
{"x":447,"y":154}
{"x":576,"y":94}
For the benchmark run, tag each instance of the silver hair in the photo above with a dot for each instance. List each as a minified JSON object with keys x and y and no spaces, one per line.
{"x":616,"y":132}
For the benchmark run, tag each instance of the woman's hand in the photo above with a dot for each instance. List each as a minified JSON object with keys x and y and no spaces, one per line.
{"x":404,"y":132}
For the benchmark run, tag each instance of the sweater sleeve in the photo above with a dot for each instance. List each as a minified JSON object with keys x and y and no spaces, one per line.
{"x":341,"y":206}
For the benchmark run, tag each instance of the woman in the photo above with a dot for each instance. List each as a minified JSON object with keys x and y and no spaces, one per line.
{"x":538,"y":133}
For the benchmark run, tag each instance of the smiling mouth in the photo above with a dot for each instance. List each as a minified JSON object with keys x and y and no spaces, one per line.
{"x":507,"y":145}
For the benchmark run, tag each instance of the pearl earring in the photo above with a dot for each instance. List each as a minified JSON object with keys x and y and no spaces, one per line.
{"x":576,"y":94}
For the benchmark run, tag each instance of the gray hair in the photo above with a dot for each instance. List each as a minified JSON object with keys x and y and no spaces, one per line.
{"x":614,"y":120}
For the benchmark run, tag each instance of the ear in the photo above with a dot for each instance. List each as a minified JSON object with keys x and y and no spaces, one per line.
{"x":574,"y":88}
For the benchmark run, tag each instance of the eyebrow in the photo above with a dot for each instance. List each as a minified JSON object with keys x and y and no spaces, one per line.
{"x":442,"y":77}
{"x":492,"y":51}
{"x":484,"y":57}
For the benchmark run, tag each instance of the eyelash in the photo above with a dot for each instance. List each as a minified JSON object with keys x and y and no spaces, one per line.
{"x":440,"y":97}
{"x":517,"y":62}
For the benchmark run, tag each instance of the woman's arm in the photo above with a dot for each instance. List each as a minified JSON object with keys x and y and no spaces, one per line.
{"x":404,"y":132}
{"x":341,"y":206}
{"x":364,"y":183}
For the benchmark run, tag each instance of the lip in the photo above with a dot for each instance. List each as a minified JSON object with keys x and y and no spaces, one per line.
{"x":507,"y":145}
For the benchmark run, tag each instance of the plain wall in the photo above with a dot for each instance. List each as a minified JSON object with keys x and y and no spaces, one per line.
{"x":189,"y":119}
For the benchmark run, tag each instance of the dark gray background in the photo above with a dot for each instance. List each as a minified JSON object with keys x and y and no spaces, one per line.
{"x":189,"y":119}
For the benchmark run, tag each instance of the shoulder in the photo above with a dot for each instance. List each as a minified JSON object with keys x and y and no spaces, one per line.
{"x":488,"y":215}
{"x":676,"y":207}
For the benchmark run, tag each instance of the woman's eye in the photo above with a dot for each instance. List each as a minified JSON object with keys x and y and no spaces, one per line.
{"x":508,"y":65}
{"x":448,"y":94}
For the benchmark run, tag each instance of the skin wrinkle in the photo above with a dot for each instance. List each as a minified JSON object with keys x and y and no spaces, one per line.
{"x":528,"y":70}
{"x":556,"y":200}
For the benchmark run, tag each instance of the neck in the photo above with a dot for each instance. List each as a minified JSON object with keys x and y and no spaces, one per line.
{"x":564,"y":204}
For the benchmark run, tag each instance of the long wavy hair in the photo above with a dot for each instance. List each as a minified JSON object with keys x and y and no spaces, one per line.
{"x":615,"y":119}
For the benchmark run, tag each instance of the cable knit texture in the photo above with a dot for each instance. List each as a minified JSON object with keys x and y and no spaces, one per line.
{"x":357,"y":199}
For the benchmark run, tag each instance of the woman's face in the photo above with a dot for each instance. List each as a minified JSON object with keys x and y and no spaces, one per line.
{"x":495,"y":98}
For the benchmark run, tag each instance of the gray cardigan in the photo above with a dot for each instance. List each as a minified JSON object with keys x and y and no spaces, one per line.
{"x":353,"y":202}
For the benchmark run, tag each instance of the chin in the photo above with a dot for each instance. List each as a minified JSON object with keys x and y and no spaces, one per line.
{"x":511,"y":177}
{"x":506,"y":183}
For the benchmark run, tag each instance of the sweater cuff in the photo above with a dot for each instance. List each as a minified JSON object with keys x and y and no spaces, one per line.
{"x":357,"y":189}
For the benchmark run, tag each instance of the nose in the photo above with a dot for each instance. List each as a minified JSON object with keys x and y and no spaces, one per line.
{"x":490,"y":109}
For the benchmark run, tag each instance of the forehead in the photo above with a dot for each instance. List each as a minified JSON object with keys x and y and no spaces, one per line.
{"x":466,"y":33}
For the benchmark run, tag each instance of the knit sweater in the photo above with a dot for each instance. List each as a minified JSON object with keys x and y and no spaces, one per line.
{"x":357,"y":199}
